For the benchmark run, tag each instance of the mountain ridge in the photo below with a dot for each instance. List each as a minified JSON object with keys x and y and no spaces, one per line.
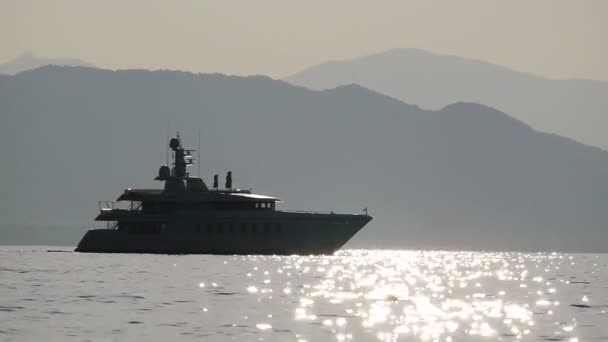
{"x":469,"y":60}
{"x":572,"y":108}
{"x":28,"y":61}
{"x":463,"y":177}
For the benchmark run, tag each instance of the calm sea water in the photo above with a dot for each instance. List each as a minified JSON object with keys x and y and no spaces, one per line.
{"x":355,"y":295}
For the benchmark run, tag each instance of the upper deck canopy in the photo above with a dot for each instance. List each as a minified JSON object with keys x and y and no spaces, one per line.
{"x":204,"y":196}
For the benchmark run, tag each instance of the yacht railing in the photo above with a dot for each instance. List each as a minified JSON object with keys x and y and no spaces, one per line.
{"x":113,"y":205}
{"x":320,"y":212}
{"x":308,"y":212}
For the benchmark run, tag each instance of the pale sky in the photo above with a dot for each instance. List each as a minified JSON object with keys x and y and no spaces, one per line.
{"x":552,"y":38}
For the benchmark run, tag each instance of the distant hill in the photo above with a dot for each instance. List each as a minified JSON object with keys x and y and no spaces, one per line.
{"x":463,"y":177}
{"x":572,"y":108}
{"x":27,"y":61}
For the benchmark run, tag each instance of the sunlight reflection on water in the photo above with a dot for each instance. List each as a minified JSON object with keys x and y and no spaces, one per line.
{"x":358,"y":295}
{"x":432,"y":296}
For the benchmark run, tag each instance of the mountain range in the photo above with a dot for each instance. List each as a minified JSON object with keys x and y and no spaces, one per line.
{"x":571,"y":108}
{"x":28,"y":61}
{"x":465,"y":176}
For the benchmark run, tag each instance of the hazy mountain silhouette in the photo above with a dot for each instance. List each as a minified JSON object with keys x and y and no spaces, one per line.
{"x":572,"y":108}
{"x":27,"y":61}
{"x":466,"y":176}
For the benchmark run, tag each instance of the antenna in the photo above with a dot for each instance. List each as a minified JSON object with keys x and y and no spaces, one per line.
{"x":198,"y":158}
{"x":167,"y":144}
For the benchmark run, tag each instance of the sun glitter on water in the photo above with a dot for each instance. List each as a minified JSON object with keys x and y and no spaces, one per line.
{"x":355,"y":295}
{"x":427,"y":296}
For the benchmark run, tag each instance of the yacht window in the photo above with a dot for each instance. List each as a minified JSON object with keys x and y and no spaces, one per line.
{"x":254,"y":228}
{"x":198,"y":227}
{"x":279,"y":228}
{"x":266,"y":228}
{"x":141,"y":228}
{"x":244,"y":227}
{"x":231,"y":227}
{"x":220,"y":228}
{"x":209,"y":228}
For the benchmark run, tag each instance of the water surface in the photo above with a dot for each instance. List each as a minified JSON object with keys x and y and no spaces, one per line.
{"x":355,"y":295}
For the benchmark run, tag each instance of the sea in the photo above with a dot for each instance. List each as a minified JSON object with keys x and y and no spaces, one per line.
{"x":54,"y":294}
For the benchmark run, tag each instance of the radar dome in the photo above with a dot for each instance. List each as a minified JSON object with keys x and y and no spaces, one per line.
{"x":174,"y":143}
{"x":164,"y":172}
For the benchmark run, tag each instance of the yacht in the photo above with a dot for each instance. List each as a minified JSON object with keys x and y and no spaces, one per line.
{"x":188,"y":217}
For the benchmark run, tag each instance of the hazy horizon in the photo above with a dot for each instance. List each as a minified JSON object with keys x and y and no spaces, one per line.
{"x":553,"y":38}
